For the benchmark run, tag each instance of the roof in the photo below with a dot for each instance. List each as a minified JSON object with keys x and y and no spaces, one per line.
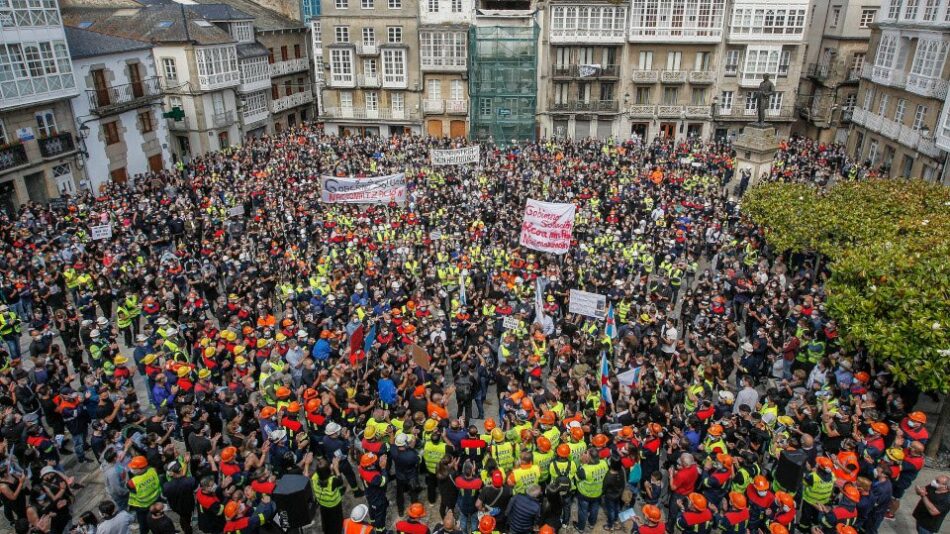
{"x":85,"y":43}
{"x":219,"y":12}
{"x":247,"y":50}
{"x":264,"y":19}
{"x":160,"y":23}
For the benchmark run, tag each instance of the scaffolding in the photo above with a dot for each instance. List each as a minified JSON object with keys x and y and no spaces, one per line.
{"x":503,"y":84}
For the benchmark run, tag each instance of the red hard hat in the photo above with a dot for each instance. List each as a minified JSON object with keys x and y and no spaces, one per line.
{"x":563,"y":450}
{"x":652,"y":512}
{"x":486,"y":525}
{"x":497,"y":479}
{"x":738,"y":500}
{"x":417,"y":510}
{"x":139,"y":462}
{"x":544,"y":444}
{"x":367,"y":459}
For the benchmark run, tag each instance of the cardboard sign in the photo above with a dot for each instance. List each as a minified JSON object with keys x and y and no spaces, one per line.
{"x":419,"y":355}
{"x":371,"y":190}
{"x":101,"y":232}
{"x":547,"y":226}
{"x":457,"y":156}
{"x":588,"y":304}
{"x":510,"y":323}
{"x":236,"y":211}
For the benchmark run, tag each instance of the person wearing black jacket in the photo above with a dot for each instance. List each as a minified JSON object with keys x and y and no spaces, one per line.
{"x":179,"y":490}
{"x":524,"y":511}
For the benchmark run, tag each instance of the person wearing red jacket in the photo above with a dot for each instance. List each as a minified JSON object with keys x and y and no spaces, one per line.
{"x":240,"y":521}
{"x":783,"y":509}
{"x":210,"y":508}
{"x":760,"y":499}
{"x":413,"y":524}
{"x":652,"y":522}
{"x":735,"y":518}
{"x":696,"y":517}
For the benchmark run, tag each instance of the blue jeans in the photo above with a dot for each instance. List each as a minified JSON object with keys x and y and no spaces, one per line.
{"x":587,"y":509}
{"x":566,"y":504}
{"x":924,"y":531}
{"x":79,"y":446}
{"x":468,"y":523}
{"x":612,"y":509}
{"x":13,"y":345}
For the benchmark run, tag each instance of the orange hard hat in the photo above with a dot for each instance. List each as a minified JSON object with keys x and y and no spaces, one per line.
{"x":526,"y":404}
{"x":139,"y":462}
{"x":862,"y":377}
{"x":652,"y":513}
{"x":486,"y":525}
{"x":312,"y":405}
{"x":268,"y":411}
{"x":841,"y":528}
{"x":417,"y":510}
{"x":228,"y":454}
{"x":918,"y":417}
{"x":760,"y":483}
{"x":880,"y":428}
{"x":777,"y":528}
{"x":231,"y":509}
{"x":725,"y":460}
{"x":851,"y":492}
{"x":511,"y":480}
{"x":825,"y":462}
{"x":546,"y":529}
{"x":785,"y":499}
{"x":490,"y":424}
{"x":282,"y":392}
{"x":738,"y":500}
{"x":293,"y":407}
{"x":420,"y":391}
{"x":525,"y":434}
{"x":367,"y":459}
{"x":697,"y":501}
{"x":310,"y":393}
{"x":543,"y":443}
{"x":599,"y":440}
{"x":563,"y":450}
{"x":547,"y":418}
{"x":715,"y":430}
{"x":577,"y":433}
{"x":655,"y":429}
{"x":626,"y":432}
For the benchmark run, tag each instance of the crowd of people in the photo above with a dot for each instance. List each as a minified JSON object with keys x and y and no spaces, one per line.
{"x":422,"y":369}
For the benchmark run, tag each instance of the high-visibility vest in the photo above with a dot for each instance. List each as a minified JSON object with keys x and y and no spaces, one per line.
{"x":554,"y":436}
{"x":577,"y":448}
{"x":432,"y":454}
{"x":543,"y":461}
{"x":592,"y":485}
{"x":526,"y":476}
{"x":504,"y":454}
{"x":326,"y":495}
{"x":148,"y":488}
{"x":818,"y":490}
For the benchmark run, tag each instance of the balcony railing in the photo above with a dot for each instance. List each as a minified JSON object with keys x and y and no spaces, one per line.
{"x":456,"y":106}
{"x":433,"y":106}
{"x":646,"y":76}
{"x":643,"y":111}
{"x":12,"y":156}
{"x":56,"y":145}
{"x":209,"y":82}
{"x":740,"y":113}
{"x":585,"y":71}
{"x":927,"y":86}
{"x":368,"y":80}
{"x":179,"y":126}
{"x":364,"y":49}
{"x":363,"y":113}
{"x":666,"y":111}
{"x":587,"y":36}
{"x":442,"y":63}
{"x":255,"y":116}
{"x":290,"y":66}
{"x":223,"y":119}
{"x":702,"y":76}
{"x":294,"y":100}
{"x":341,"y":82}
{"x":394,"y":82}
{"x":121,"y":97}
{"x":905,"y":135}
{"x":697,"y":112}
{"x":885,"y":76}
{"x":609,"y":106}
{"x":254,"y":84}
{"x":673,"y":76}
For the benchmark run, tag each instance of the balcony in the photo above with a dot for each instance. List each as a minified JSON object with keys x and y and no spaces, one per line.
{"x":642,"y":111}
{"x":443,"y":64}
{"x":456,"y":107}
{"x":697,"y":112}
{"x":784,"y":114}
{"x":223,"y":119}
{"x":646,"y":76}
{"x":885,"y":76}
{"x":914,"y":139}
{"x":255,"y":116}
{"x":585,"y":71}
{"x":211,"y":82}
{"x":594,"y":106}
{"x":292,"y":101}
{"x":183,"y":125}
{"x":254,"y":85}
{"x":341,"y":82}
{"x":702,"y":76}
{"x":673,"y":76}
{"x":12,"y":156}
{"x":394,"y":82}
{"x":36,"y":89}
{"x":118,"y":98}
{"x":57,"y":145}
{"x":665,"y":111}
{"x":335,"y":113}
{"x":367,"y":49}
{"x":753,"y":79}
{"x":574,"y":35}
{"x":927,"y":86}
{"x":290,"y":66}
{"x":433,"y":106}
{"x":367,"y":80}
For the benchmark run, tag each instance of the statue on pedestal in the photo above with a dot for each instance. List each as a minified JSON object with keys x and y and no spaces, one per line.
{"x":762,"y":94}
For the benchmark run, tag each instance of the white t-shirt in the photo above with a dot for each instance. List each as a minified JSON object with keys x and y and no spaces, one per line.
{"x":670,"y":334}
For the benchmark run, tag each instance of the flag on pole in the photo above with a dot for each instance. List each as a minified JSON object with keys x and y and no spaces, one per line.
{"x":538,"y":302}
{"x":610,"y":329}
{"x":463,"y":300}
{"x":604,"y":378}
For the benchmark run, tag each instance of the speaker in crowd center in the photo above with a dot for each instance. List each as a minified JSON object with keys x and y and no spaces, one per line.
{"x":294,"y":498}
{"x":790,"y":469}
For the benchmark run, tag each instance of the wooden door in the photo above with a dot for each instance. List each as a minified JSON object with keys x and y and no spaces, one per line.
{"x":101,"y":87}
{"x":435,"y":128}
{"x":119,"y":176}
{"x":135,"y":76}
{"x":155,"y":163}
{"x":457,"y":128}
{"x":668,"y":129}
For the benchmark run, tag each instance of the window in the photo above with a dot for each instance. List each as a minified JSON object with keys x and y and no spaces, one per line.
{"x":910,"y":9}
{"x":929,"y":58}
{"x":701,"y":63}
{"x":783,"y":62}
{"x":3,"y":134}
{"x":893,"y":9}
{"x":432,"y":6}
{"x":673,"y":60}
{"x":751,"y":105}
{"x":284,"y":53}
{"x":835,"y":17}
{"x":867,"y":17}
{"x":398,"y":102}
{"x":394,"y":66}
{"x":243,"y":32}
{"x":457,"y":90}
{"x":369,"y":36}
{"x":342,"y":34}
{"x":217,"y":65}
{"x":670,"y":95}
{"x":341,"y":4}
{"x":607,"y":91}
{"x":110,"y":131}
{"x":732,"y":62}
{"x":930,"y":10}
{"x":857,"y":63}
{"x":868,"y":98}
{"x":646,"y":60}
{"x":725,"y":101}
{"x":297,"y":52}
{"x":369,"y":68}
{"x":882,"y":105}
{"x":849,"y":102}
{"x":699,"y":96}
{"x":561,"y":93}
{"x":395,"y":4}
{"x":175,"y":102}
{"x":484,"y":107}
{"x":255,"y":103}
{"x":762,"y":21}
{"x":434,"y":89}
{"x":762,"y":60}
{"x":899,"y":111}
{"x":886,"y":51}
{"x":583,"y":92}
{"x":366,"y":4}
{"x":775,"y":103}
{"x":919,"y":115}
{"x":270,"y":56}
{"x":372,"y":101}
{"x":341,"y":65}
{"x":288,"y":88}
{"x":346,"y":99}
{"x":171,"y":70}
{"x":675,"y":18}
{"x":46,"y":123}
{"x":145,"y":121}
{"x":643,"y":95}
{"x":456,"y":6}
{"x":872,"y":151}
{"x":274,"y":92}
{"x":394,"y":33}
{"x":447,"y":49}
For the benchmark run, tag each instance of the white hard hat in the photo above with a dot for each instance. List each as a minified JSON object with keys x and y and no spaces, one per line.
{"x":359,"y":513}
{"x":333,"y":428}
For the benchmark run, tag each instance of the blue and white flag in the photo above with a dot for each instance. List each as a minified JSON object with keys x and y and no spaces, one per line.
{"x":610,"y":329}
{"x":604,"y":378}
{"x":463,"y":299}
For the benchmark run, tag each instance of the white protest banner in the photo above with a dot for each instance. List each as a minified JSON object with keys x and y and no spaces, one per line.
{"x":236,"y":211}
{"x":509,"y":323}
{"x":456,"y":156}
{"x":371,"y":190}
{"x":589,"y":304}
{"x":101,"y":232}
{"x":547,"y":226}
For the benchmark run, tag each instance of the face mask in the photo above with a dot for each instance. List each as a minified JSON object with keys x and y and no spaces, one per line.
{"x":785,"y":508}
{"x":912,"y":424}
{"x":934,"y":483}
{"x":762,"y":493}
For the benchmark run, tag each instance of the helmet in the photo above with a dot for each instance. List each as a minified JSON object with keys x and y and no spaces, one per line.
{"x":715,"y":430}
{"x":862,"y":376}
{"x":369,"y":432}
{"x":895,"y":455}
{"x":486,"y":525}
{"x":228,"y":454}
{"x":511,"y":480}
{"x":231,"y":509}
{"x":785,"y":499}
{"x":655,"y":429}
{"x":599,"y":440}
{"x":851,"y":492}
{"x":282,"y":392}
{"x":626,"y":432}
{"x":777,"y":528}
{"x":310,"y":393}
{"x":525,"y":435}
{"x":526,"y":404}
{"x":497,"y":435}
{"x":546,"y":529}
{"x":880,"y":428}
{"x":490,"y":424}
{"x":430,"y":425}
{"x":359,"y":512}
{"x":293,"y":407}
{"x":577,"y":433}
{"x":652,"y":513}
{"x":543,"y":443}
{"x":417,"y":510}
{"x":139,"y":462}
{"x":497,"y":479}
{"x":547,"y":418}
{"x":697,"y":501}
{"x":760,"y":483}
{"x":367,"y":459}
{"x":738,"y":500}
{"x":268,"y":411}
{"x":841,"y":528}
{"x":563,"y":450}
{"x":312,"y":405}
{"x":918,"y":417}
{"x":825,"y":463}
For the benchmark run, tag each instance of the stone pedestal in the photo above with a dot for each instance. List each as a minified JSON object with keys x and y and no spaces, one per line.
{"x":755,"y":149}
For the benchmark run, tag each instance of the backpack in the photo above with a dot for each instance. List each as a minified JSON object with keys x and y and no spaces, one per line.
{"x":463,"y":388}
{"x":561,"y":485}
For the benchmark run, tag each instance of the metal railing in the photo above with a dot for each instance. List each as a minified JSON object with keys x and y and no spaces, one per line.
{"x":609,"y":106}
{"x":363,"y":113}
{"x":646,"y":76}
{"x":13,"y":156}
{"x":119,"y":97}
{"x":643,"y":111}
{"x":585,"y":71}
{"x":56,"y":145}
{"x":673,"y":76}
{"x":456,"y":106}
{"x":294,"y":100}
{"x":281,"y":68}
{"x":927,"y":86}
{"x":702,"y":76}
{"x":739,"y":112}
{"x":364,"y":49}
